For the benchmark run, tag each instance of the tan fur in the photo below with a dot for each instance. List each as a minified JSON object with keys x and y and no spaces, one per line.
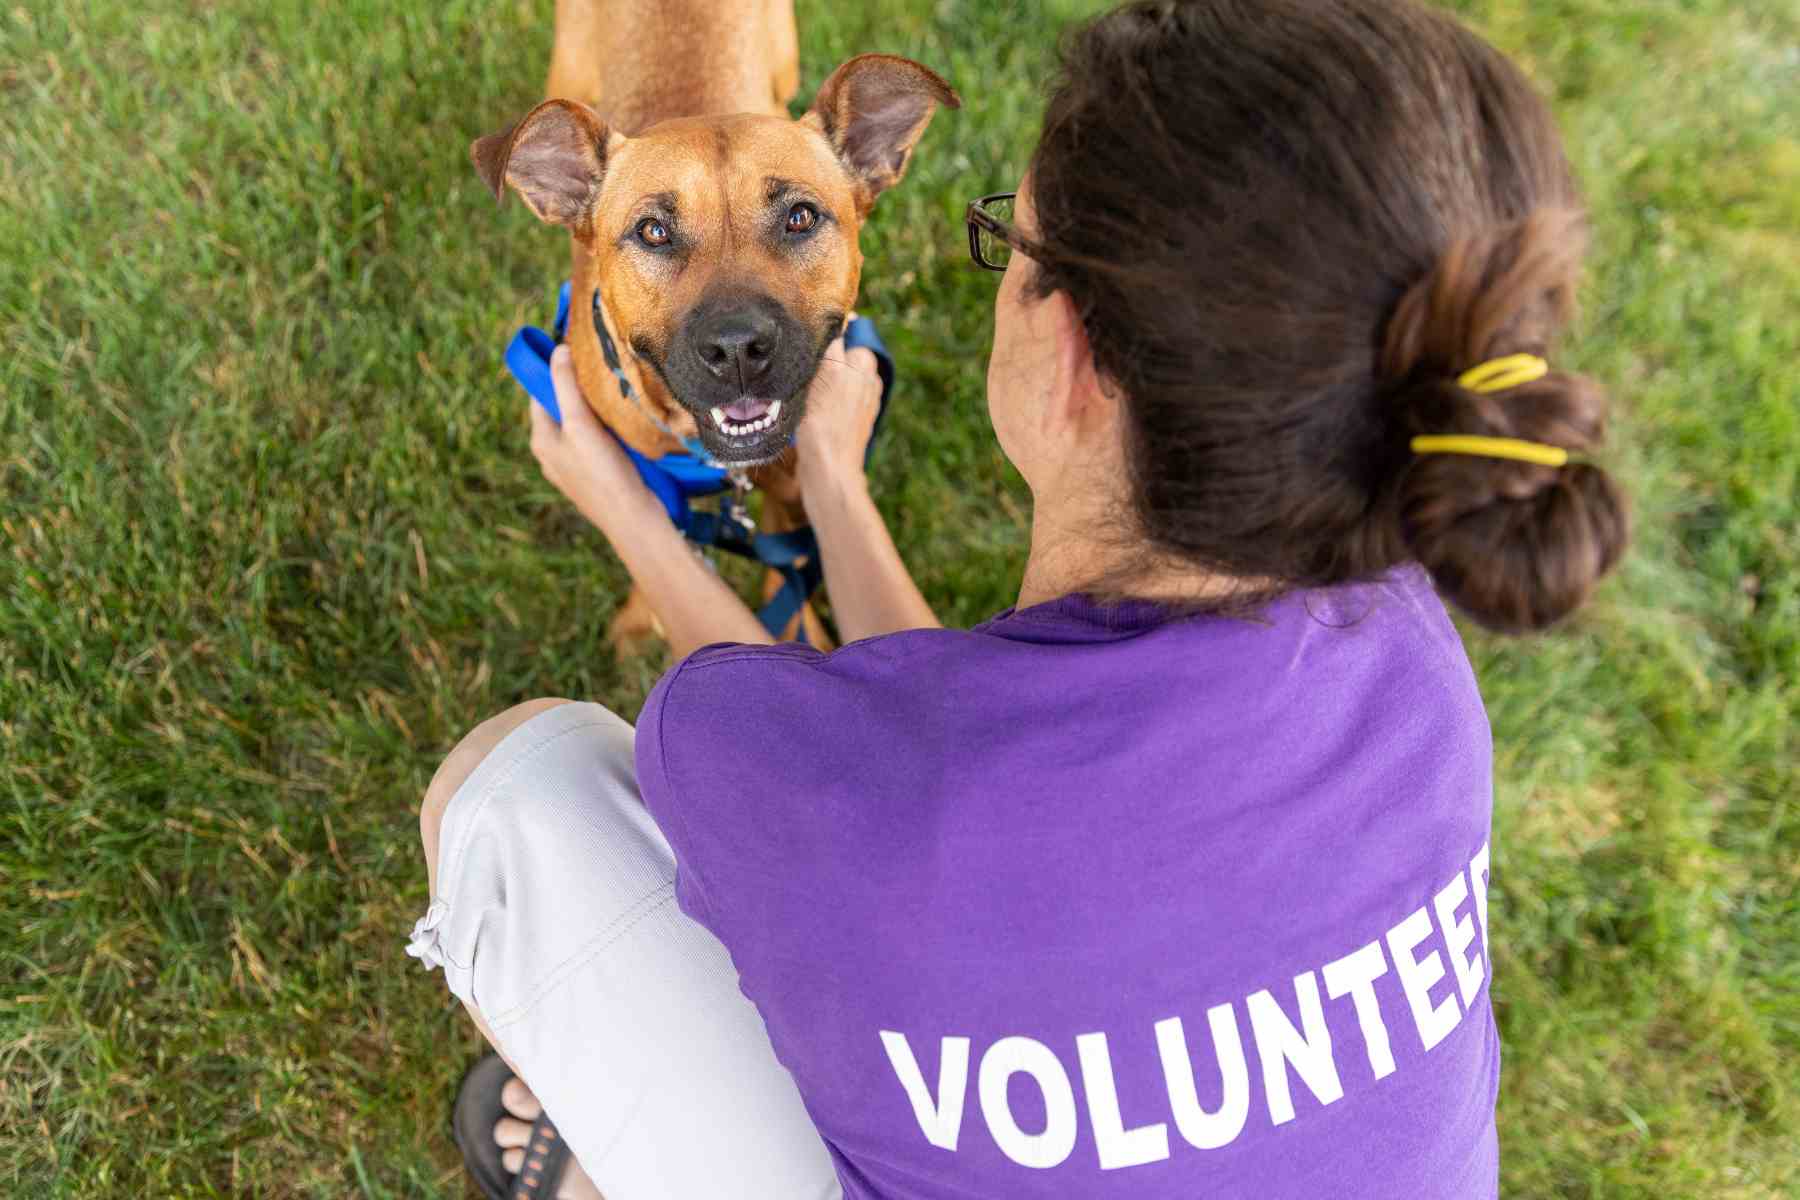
{"x":688,"y":97}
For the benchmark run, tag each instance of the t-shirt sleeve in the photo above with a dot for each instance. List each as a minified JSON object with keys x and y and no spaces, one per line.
{"x":673,"y":717}
{"x":653,"y":786}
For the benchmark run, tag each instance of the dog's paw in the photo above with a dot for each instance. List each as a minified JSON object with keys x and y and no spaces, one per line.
{"x":635,"y":630}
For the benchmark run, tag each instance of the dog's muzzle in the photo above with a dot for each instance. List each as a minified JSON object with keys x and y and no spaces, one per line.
{"x":741,"y":364}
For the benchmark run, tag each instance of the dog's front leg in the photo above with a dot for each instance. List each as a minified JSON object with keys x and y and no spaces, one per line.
{"x":781,"y":512}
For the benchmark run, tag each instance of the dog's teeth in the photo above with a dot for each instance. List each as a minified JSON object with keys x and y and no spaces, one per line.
{"x":733,"y":428}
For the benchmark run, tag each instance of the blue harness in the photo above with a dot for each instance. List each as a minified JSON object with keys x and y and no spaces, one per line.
{"x":680,"y":477}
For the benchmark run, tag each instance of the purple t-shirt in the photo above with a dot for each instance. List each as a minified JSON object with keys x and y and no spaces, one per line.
{"x":1090,"y":902}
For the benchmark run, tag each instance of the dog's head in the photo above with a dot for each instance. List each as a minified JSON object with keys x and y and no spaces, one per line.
{"x":725,"y":247}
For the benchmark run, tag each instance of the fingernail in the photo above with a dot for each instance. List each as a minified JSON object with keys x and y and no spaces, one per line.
{"x":560,"y":354}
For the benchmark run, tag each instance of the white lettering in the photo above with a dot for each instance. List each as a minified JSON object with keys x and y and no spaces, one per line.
{"x":1201,"y":1129}
{"x":1416,"y":978}
{"x":1355,"y":974}
{"x":940,"y":1121}
{"x":1011,"y":1056}
{"x":1118,"y":1146}
{"x":1478,"y":871}
{"x":1278,"y":1043}
{"x":1457,"y":936}
{"x":1300,"y":1043}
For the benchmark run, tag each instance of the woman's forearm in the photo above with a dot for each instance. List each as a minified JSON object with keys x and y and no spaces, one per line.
{"x":694,"y":606}
{"x":588,"y":465}
{"x":871,"y":591}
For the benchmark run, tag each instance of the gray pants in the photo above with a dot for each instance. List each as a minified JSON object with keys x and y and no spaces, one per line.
{"x":554,"y":919}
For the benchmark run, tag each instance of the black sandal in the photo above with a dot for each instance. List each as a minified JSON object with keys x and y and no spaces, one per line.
{"x":478,"y":1109}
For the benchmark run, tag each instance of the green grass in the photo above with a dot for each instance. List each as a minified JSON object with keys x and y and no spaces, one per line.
{"x":273,"y":541}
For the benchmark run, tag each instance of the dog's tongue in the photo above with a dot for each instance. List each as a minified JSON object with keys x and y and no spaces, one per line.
{"x":747,"y":409}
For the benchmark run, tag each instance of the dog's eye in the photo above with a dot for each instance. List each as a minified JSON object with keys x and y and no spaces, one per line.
{"x":652,"y":232}
{"x":801,"y":218}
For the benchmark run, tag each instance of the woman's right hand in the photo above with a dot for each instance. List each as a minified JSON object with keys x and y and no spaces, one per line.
{"x":841,"y":406}
{"x":871,"y":592}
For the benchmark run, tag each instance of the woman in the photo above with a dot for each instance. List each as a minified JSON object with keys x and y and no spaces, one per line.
{"x":1170,"y":881}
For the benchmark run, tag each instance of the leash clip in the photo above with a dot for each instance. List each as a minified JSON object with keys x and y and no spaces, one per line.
{"x":732,"y":508}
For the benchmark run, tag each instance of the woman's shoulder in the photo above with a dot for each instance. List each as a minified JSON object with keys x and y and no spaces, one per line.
{"x":736,"y":671}
{"x":782,"y":656}
{"x":789,"y":717}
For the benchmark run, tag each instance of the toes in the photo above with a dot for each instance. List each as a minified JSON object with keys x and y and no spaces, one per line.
{"x":513,"y":1133}
{"x":519,"y":1101}
{"x":508,"y":1132}
{"x":514,"y":1161}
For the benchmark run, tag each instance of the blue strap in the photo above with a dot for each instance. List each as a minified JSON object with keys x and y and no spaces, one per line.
{"x":675,"y":478}
{"x":793,"y":555}
{"x":862,"y":333}
{"x":528,"y":358}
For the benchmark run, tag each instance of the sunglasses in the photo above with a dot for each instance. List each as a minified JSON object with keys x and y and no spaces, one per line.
{"x":992,"y":235}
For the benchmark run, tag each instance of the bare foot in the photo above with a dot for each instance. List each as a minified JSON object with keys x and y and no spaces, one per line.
{"x":514,"y":1133}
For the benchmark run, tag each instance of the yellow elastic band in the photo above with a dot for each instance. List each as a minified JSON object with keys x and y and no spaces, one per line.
{"x":1499,"y":374}
{"x":1493,"y":447}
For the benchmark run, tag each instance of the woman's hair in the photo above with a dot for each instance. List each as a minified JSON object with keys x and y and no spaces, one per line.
{"x":1288,"y":226}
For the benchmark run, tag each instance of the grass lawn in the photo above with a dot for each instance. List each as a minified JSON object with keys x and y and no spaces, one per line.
{"x":273,"y":541}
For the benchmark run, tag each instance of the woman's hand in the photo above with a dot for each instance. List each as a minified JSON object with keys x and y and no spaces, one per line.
{"x":841,"y":407}
{"x":871,"y":593}
{"x":585,"y":462}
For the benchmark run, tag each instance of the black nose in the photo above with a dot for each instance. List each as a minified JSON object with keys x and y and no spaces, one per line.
{"x":737,"y":347}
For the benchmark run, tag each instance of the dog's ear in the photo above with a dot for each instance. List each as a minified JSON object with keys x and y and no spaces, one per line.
{"x":554,"y":159}
{"x":873,"y":110}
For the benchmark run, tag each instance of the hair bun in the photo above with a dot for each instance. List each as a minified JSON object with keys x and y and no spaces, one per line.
{"x":1518,"y":546}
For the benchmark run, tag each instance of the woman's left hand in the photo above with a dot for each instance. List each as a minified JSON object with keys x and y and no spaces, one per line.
{"x":585,"y":462}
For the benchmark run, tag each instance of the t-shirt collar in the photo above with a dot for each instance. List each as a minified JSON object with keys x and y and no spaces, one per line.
{"x":1078,"y":617}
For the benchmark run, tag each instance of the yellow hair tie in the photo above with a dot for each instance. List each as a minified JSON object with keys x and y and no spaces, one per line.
{"x":1493,"y":447}
{"x":1499,"y":374}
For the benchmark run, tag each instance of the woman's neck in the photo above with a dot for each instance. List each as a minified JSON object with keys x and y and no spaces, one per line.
{"x":1082,"y":547}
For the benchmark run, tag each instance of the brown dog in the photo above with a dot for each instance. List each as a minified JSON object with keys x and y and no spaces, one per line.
{"x":720,"y":234}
